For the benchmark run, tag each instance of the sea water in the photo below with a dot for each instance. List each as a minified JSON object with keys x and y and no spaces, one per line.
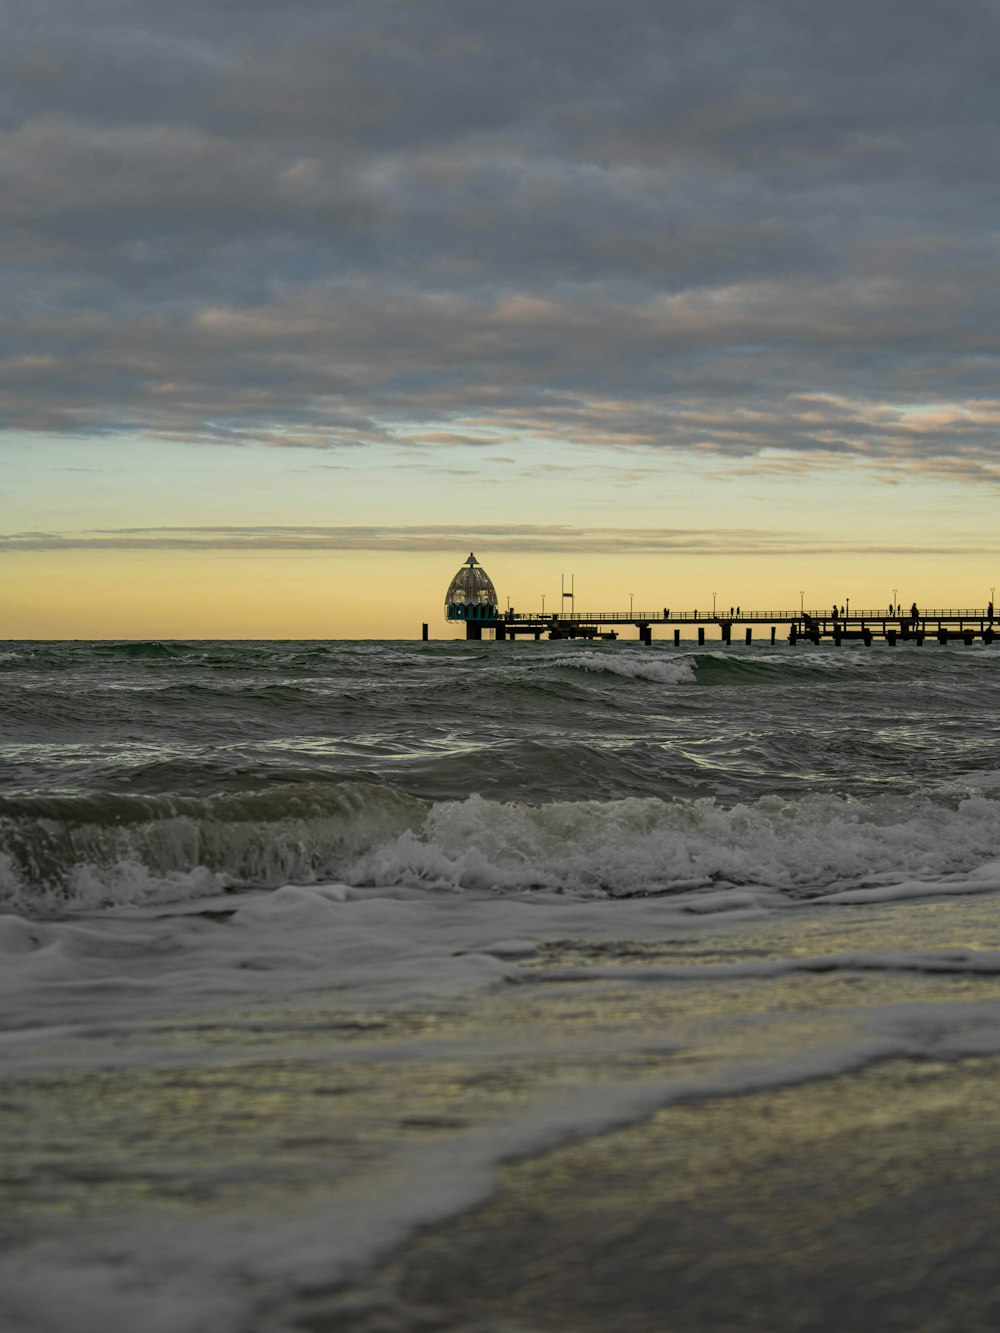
{"x":319,"y":961}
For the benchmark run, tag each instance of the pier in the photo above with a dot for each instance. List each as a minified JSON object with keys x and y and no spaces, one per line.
{"x":939,"y":625}
{"x":472,"y":599}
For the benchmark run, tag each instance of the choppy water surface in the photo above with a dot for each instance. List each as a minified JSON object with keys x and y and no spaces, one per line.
{"x":299,"y":941}
{"x":578,"y":766}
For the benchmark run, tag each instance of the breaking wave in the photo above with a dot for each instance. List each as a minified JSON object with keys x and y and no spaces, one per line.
{"x":102,"y":849}
{"x":66,"y":853}
{"x":632,"y":666}
{"x":803,"y":847}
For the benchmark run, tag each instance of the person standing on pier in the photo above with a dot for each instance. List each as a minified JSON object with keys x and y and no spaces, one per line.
{"x":914,"y":613}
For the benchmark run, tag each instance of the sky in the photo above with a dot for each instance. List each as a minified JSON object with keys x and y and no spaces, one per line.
{"x":304,"y":301}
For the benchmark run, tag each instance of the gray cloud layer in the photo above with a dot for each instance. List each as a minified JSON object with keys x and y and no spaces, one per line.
{"x":732,"y":225}
{"x":556,"y":538}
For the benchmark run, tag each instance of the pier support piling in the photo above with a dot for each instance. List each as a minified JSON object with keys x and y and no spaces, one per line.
{"x":749,"y":635}
{"x":701,"y":636}
{"x":677,"y":638}
{"x":424,"y":634}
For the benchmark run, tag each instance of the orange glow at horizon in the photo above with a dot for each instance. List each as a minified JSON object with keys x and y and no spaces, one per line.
{"x":389,"y":594}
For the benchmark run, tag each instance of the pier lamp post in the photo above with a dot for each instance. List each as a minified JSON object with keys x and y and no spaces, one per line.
{"x":713,"y":603}
{"x":802,"y":601}
{"x":848,"y":604}
{"x":630,"y":596}
{"x":895,"y":596}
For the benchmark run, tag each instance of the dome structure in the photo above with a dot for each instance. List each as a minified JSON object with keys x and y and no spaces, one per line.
{"x":471,"y":594}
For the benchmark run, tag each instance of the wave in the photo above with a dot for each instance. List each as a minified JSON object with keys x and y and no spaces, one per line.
{"x":103,"y":849}
{"x":806,"y":847}
{"x":760,"y":663}
{"x":152,"y":648}
{"x":717,"y":666}
{"x":62,"y":852}
{"x":631,"y":666}
{"x":34,"y":657}
{"x":733,"y":667}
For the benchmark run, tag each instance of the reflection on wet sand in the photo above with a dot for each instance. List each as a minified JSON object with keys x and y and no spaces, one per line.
{"x":867,"y":1202}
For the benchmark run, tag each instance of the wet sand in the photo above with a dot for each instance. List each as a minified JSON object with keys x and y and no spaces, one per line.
{"x":865,"y":1202}
{"x":781,"y":1125}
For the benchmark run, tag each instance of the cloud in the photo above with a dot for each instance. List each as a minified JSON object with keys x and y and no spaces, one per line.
{"x":563,"y":539}
{"x":666,"y":226}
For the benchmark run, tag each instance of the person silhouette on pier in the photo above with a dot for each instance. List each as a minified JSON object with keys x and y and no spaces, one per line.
{"x":914,"y":613}
{"x":989,"y":612}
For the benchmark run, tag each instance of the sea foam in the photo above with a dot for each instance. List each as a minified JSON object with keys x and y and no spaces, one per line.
{"x":807,"y":846}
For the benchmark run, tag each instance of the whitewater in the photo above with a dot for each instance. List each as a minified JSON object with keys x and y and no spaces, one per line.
{"x":473,"y":986}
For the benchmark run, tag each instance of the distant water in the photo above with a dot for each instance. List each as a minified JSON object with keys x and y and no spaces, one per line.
{"x":300,"y":940}
{"x":139,"y":772}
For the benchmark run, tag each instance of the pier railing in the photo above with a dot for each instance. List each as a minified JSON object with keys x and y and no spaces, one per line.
{"x":718,"y":616}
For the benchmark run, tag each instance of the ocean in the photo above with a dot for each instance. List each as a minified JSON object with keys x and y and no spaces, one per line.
{"x":498,"y":988}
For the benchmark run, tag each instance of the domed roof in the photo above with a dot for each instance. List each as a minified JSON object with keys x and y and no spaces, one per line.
{"x":471,"y":586}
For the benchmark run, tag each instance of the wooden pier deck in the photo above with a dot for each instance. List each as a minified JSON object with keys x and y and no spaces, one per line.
{"x":940,"y":625}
